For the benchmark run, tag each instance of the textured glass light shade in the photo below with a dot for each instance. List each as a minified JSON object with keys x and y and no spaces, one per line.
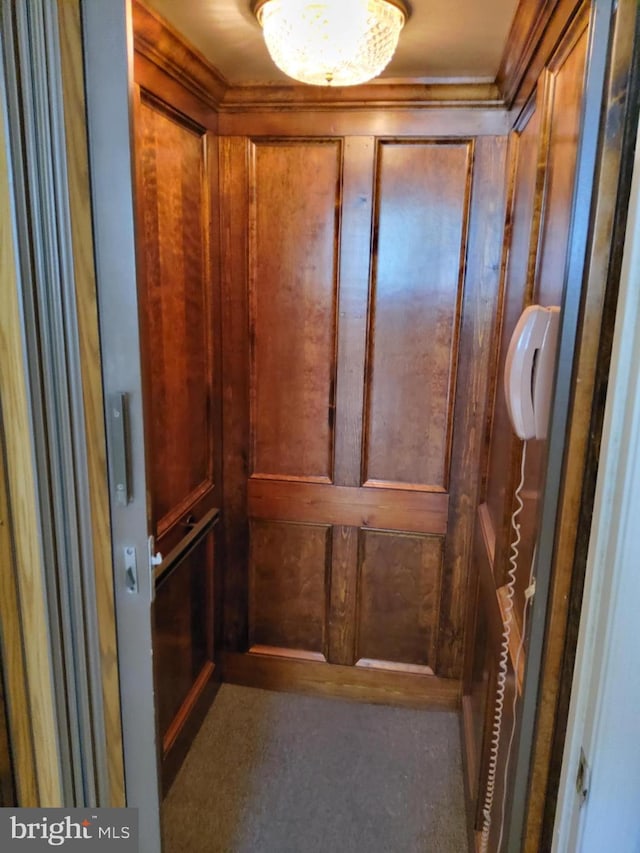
{"x":331,"y":42}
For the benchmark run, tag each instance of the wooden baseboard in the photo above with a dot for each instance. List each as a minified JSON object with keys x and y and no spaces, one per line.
{"x":363,"y":684}
{"x":180,"y":734}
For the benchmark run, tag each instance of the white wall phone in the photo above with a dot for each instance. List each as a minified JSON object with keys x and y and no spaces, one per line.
{"x":529,"y":369}
{"x":528,"y":383}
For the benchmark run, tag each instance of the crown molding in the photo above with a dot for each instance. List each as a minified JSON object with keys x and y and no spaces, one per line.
{"x":536,"y":27}
{"x":537,"y":23}
{"x":406,"y":95}
{"x":158,"y":42}
{"x":163,"y":46}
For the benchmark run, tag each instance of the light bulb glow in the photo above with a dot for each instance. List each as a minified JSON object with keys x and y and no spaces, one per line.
{"x":331,"y":42}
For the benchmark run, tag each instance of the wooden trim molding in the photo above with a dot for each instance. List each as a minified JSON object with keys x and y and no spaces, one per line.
{"x":527,"y":28}
{"x":82,"y":238}
{"x":163,"y":46}
{"x":347,"y":505}
{"x":536,"y":27}
{"x":376,"y":95}
{"x":536,"y":30}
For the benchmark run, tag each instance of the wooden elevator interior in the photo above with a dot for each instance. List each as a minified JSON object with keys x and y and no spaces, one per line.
{"x":328,"y":284}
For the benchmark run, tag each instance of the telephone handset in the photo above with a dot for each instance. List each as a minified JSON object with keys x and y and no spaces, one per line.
{"x":529,"y":370}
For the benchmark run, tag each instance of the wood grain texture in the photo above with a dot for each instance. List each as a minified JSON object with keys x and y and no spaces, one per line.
{"x":556,"y":17}
{"x":19,"y":731}
{"x":86,"y":303}
{"x":355,"y":264}
{"x":395,"y":509}
{"x":625,"y":93}
{"x":481,"y":296}
{"x":183,"y":631}
{"x":449,"y":122}
{"x":398,"y":597}
{"x":7,"y":787}
{"x":503,"y":470}
{"x":180,"y":735}
{"x":289,"y":585}
{"x":565,"y":82}
{"x":563,"y":110}
{"x":527,"y":28}
{"x":32,"y":609}
{"x":160,"y":44}
{"x":594,"y":294}
{"x":380,"y":94}
{"x":235,"y":384}
{"x":342,"y":610}
{"x":295,"y":193}
{"x":362,"y":684}
{"x":174,"y":283}
{"x":420,"y":226}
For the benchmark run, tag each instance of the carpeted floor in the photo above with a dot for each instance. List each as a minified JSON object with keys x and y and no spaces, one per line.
{"x":281,"y":773}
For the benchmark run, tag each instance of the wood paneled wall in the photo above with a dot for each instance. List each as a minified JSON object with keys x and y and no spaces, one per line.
{"x":543,"y":150}
{"x":177,"y":234}
{"x":360,"y":282}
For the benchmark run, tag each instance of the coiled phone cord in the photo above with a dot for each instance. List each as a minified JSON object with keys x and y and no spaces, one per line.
{"x":502,"y":664}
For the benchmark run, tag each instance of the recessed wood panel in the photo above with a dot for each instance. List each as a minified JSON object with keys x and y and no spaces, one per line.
{"x":293,"y":263}
{"x":422,"y":197}
{"x":173,"y":224}
{"x":504,"y":453}
{"x":289,"y":570}
{"x":398,"y":597}
{"x":183,"y":630}
{"x":566,"y":109}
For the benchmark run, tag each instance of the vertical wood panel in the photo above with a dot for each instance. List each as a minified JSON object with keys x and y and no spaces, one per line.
{"x":398,"y":597}
{"x":174,"y":225}
{"x":422,"y":195}
{"x":295,"y":192}
{"x":235,"y":384}
{"x":289,"y":574}
{"x":355,"y":262}
{"x":342,"y":612}
{"x":481,"y":292}
{"x":505,"y":449}
{"x":183,"y":630}
{"x":565,"y":101}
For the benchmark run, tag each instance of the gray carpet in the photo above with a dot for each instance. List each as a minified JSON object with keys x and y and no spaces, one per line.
{"x":282,"y":773}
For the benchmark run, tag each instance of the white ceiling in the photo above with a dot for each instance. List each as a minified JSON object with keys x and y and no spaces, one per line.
{"x":452,"y":39}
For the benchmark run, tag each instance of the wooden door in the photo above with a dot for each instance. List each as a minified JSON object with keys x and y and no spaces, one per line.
{"x":355,"y":265}
{"x":176,"y":178}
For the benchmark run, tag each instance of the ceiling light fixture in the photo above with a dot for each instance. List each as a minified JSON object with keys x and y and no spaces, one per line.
{"x":331,"y":42}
